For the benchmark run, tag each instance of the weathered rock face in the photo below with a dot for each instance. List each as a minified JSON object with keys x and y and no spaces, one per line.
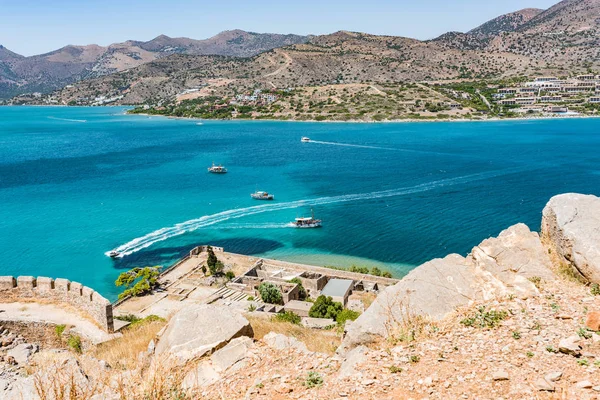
{"x":571,"y":225}
{"x":497,"y":267}
{"x":201,"y":329}
{"x":230,"y":356}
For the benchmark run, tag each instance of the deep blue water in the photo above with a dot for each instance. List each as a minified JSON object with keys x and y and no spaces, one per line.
{"x":395,"y":195}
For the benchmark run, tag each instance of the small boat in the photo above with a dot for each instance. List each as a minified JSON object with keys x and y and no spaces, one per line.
{"x":307,"y":222}
{"x":305,"y":139}
{"x":217,"y":169}
{"x":114,"y":254}
{"x":262,"y":196}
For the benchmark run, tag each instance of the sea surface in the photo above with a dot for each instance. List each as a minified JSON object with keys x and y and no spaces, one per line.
{"x":76,"y":183}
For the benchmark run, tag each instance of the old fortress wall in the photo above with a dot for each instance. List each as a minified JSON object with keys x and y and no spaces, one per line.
{"x":83,"y":298}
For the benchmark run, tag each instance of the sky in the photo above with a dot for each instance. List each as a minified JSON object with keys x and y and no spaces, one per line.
{"x":31,"y":27}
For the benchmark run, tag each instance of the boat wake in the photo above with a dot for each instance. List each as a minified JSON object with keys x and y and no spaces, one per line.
{"x":209,"y":220}
{"x":67,"y":119}
{"x":351,"y":145}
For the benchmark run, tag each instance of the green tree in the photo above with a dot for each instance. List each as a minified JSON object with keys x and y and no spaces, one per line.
{"x":375,"y":271}
{"x":345,"y":315}
{"x":325,"y":307}
{"x":138,"y":281}
{"x":301,"y":291}
{"x":214,"y":265}
{"x":270,"y":293}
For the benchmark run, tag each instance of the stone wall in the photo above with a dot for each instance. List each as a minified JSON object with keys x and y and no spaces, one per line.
{"x":59,"y":290}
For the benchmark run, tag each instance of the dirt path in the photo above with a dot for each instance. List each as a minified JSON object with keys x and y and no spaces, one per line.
{"x":279,"y":70}
{"x":54,"y":314}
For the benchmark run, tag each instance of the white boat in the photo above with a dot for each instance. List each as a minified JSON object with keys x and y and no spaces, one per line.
{"x":217,"y":169}
{"x":262,"y":196}
{"x":114,"y":254}
{"x":309,"y":222}
{"x":305,"y":139}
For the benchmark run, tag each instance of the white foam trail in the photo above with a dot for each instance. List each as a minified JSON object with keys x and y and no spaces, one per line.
{"x":351,"y":145}
{"x":67,"y":119}
{"x":208,"y":220}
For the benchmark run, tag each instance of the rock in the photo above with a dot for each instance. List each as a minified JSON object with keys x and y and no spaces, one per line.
{"x":22,"y":352}
{"x":500,"y":375}
{"x":584,"y":385}
{"x":570,"y":346}
{"x":151,"y":347}
{"x":592,"y":321}
{"x":571,"y":224}
{"x":205,"y":374}
{"x":543,"y":385}
{"x":354,"y":357}
{"x":235,"y":351}
{"x":282,"y":342}
{"x":201,"y":329}
{"x":496,"y":268}
{"x":553,"y":376}
{"x":317,"y":323}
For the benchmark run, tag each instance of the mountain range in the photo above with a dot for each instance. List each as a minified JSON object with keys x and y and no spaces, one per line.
{"x":54,"y":70}
{"x":560,"y":40}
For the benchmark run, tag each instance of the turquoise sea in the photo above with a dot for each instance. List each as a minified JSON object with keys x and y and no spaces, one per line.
{"x":78,"y":182}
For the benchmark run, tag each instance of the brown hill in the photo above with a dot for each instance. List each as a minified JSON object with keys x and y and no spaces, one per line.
{"x":505,"y":23}
{"x":70,"y":64}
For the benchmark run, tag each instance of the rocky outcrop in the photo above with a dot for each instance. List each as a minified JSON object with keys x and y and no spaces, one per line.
{"x":201,"y":329}
{"x":571,"y":226}
{"x":498,"y":267}
{"x":209,"y":371}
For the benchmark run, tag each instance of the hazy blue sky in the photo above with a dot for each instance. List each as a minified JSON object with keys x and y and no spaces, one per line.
{"x":37,"y":26}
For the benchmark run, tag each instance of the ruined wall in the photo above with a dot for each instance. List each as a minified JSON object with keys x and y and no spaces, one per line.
{"x":59,"y":290}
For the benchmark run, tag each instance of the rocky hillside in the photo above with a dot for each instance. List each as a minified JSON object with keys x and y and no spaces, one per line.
{"x":505,"y":23}
{"x":70,"y":64}
{"x":517,"y":318}
{"x":342,"y":57}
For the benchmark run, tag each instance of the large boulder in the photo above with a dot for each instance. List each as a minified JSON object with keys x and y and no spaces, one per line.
{"x":497,"y":267}
{"x":234,"y":356}
{"x":571,"y":226}
{"x":201,"y":329}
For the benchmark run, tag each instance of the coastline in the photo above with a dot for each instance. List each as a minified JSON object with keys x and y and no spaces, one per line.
{"x":396,"y":121}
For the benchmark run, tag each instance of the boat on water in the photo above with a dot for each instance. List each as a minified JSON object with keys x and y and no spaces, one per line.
{"x":305,"y":139}
{"x":258,"y":195}
{"x":307,"y":222}
{"x":217,"y":169}
{"x":114,"y":254}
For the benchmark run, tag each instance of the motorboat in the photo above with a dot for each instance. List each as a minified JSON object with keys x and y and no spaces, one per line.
{"x":217,"y":169}
{"x":307,"y":222}
{"x":258,"y":195}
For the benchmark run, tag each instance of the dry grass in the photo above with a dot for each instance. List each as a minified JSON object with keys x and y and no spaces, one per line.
{"x":322,"y":341}
{"x":366,"y":297}
{"x":123,"y":352}
{"x":403,"y":324}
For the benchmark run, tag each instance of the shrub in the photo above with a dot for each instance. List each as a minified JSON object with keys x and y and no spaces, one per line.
{"x":375,"y":271}
{"x":595,"y":289}
{"x":325,"y":307}
{"x":301,"y":291}
{"x":394,"y":369}
{"x":229,"y":275}
{"x":516,"y":335}
{"x":346,"y":315}
{"x":386,"y":274}
{"x":288,"y":316}
{"x":270,"y":293}
{"x":74,"y":342}
{"x":313,"y":379}
{"x":485,"y":319}
{"x":59,"y":329}
{"x":138,"y":281}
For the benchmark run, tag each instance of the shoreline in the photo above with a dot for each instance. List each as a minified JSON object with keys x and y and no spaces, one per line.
{"x":395,"y":121}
